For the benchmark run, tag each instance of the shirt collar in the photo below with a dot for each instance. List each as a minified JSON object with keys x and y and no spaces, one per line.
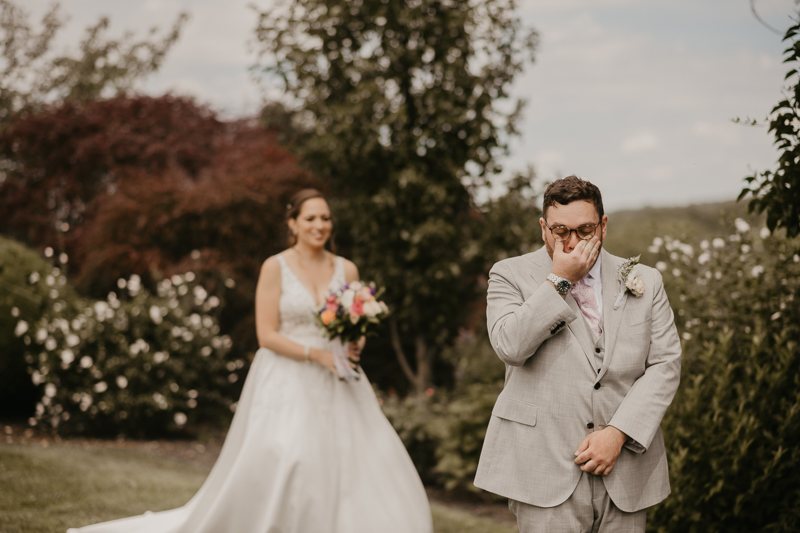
{"x":594,"y":273}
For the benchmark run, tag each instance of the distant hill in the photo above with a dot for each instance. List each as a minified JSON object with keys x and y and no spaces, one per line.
{"x":630,"y":232}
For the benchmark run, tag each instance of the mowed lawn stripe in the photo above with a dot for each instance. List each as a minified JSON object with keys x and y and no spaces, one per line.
{"x":47,"y":490}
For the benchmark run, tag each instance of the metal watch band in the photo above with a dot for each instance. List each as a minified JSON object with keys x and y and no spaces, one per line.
{"x":562,"y":285}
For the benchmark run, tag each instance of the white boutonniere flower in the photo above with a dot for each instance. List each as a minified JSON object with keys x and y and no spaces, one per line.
{"x":630,"y":280}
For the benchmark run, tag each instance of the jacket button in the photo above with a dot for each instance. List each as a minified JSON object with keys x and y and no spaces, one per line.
{"x":590,"y":425}
{"x":596,"y":386}
{"x":597,"y":350}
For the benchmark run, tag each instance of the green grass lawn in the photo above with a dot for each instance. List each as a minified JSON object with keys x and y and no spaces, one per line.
{"x":47,"y":490}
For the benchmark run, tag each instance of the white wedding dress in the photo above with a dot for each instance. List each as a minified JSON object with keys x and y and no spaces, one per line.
{"x":305,"y":453}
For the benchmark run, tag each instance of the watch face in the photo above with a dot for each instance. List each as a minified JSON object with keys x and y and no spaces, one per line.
{"x":563,"y":286}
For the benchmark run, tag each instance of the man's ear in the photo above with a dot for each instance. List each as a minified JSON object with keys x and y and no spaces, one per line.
{"x":604,"y":225}
{"x":544,"y":229}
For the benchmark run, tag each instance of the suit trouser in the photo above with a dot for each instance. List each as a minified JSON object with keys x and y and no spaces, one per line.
{"x":588,"y":510}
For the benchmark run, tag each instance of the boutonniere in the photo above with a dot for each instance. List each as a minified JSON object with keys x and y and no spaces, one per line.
{"x":630,"y":280}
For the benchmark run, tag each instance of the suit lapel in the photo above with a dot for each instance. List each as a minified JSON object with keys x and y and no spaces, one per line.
{"x":612,"y":318}
{"x":543,"y":265}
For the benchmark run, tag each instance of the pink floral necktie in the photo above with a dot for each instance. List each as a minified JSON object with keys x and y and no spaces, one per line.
{"x":584,"y":295}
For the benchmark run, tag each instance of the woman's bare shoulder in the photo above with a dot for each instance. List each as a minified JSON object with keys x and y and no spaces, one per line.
{"x":271,"y":266}
{"x":350,"y":270}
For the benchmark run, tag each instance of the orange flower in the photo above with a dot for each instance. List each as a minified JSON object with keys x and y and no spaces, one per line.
{"x":327,"y":316}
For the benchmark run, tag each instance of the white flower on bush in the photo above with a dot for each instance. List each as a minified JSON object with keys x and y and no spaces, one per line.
{"x":134,"y":284}
{"x":155,"y":314}
{"x":36,"y":377}
{"x":72,"y":340}
{"x":718,"y":243}
{"x":661,"y":266}
{"x":741,"y":225}
{"x":21,"y":329}
{"x":34,"y":278}
{"x":213,"y":302}
{"x":703,"y":258}
{"x":50,"y":390}
{"x":200,"y":295}
{"x":100,"y":387}
{"x":180,"y":419}
{"x":160,"y":400}
{"x":50,"y":344}
{"x":160,"y":357}
{"x":757,"y":271}
{"x":122,"y":382}
{"x":85,"y":401}
{"x":67,"y":356}
{"x":764,"y":233}
{"x":139,"y":346}
{"x":86,"y":362}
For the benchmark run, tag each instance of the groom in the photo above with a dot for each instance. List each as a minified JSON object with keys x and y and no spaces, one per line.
{"x":574,"y":440}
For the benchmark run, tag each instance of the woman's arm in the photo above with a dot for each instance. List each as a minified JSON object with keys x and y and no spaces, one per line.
{"x":268,"y":294}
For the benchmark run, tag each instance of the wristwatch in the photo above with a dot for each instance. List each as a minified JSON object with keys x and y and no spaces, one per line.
{"x":562,"y":284}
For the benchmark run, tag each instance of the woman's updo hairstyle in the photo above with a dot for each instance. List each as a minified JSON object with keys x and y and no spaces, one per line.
{"x":293,"y":211}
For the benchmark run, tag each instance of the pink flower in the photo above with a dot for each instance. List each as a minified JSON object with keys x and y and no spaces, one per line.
{"x":357,"y":308}
{"x":332,"y":307}
{"x":365,"y":295}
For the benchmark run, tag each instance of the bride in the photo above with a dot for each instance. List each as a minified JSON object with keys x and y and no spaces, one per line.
{"x":306,"y":452}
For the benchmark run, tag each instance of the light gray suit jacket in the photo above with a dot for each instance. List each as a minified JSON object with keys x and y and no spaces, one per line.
{"x":551,"y":391}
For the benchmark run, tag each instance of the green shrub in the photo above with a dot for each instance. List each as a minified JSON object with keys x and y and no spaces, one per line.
{"x":135,"y":364}
{"x":443,"y":430}
{"x":21,"y":299}
{"x":733,"y":428}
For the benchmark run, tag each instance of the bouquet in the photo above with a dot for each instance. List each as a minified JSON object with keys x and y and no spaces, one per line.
{"x":350,"y":313}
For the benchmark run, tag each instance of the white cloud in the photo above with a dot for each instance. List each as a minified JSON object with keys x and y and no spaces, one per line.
{"x":640,"y":142}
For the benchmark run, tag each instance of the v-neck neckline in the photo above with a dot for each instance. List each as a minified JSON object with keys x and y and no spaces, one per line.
{"x":307,"y":290}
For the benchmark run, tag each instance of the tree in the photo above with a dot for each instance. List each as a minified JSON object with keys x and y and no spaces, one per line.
{"x":398,"y":105}
{"x":153,"y":187}
{"x":778,"y":192}
{"x":31,"y":76}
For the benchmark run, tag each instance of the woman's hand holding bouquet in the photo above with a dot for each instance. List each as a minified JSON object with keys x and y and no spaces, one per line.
{"x":350,"y":313}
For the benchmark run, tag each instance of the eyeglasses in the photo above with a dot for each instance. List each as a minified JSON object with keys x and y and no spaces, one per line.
{"x":563,"y":233}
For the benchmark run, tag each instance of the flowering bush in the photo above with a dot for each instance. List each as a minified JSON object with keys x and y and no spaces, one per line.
{"x":22,"y":300}
{"x":443,"y":430}
{"x":733,"y":428}
{"x":135,"y":363}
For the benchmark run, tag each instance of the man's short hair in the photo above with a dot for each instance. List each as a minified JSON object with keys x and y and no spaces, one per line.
{"x":570,"y":189}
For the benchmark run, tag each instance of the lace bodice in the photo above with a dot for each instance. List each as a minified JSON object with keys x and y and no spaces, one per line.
{"x":298,"y":307}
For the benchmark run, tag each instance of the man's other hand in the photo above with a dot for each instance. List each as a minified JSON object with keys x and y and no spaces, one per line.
{"x":599,"y":451}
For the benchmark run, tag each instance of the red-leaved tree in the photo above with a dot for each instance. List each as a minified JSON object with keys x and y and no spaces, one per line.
{"x":151,"y":186}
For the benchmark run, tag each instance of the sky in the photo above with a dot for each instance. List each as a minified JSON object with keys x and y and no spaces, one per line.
{"x":636,"y":96}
